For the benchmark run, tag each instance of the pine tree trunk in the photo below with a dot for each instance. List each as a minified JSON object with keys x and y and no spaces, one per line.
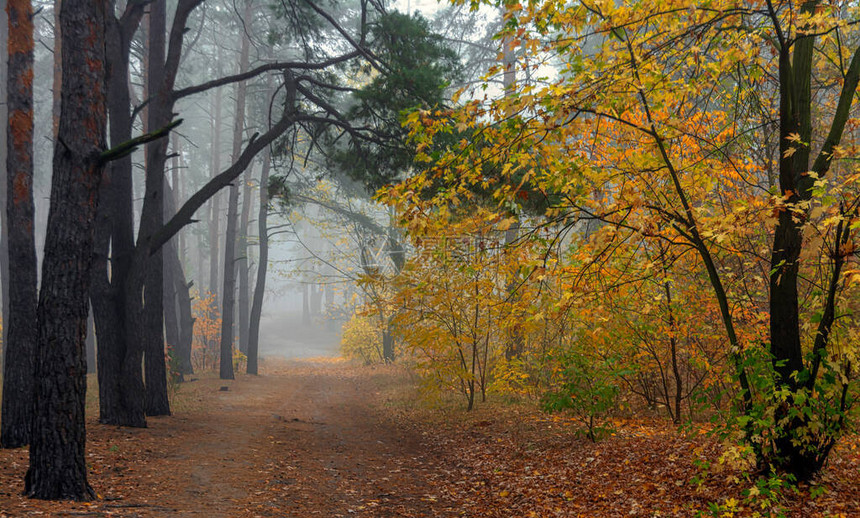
{"x":57,"y":79}
{"x":243,"y":263}
{"x":4,"y":234}
{"x":119,"y":370}
{"x":229,"y":293}
{"x":316,"y":299}
{"x":171,"y":321}
{"x":186,"y":319}
{"x":173,"y":268}
{"x":262,"y":267}
{"x":58,"y":468}
{"x":91,"y":342}
{"x":306,"y":305}
{"x":152,"y":218}
{"x":215,"y":214}
{"x":21,"y":335}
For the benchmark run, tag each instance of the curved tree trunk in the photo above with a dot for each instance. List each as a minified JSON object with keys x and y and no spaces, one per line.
{"x":21,"y":335}
{"x":58,"y":468}
{"x":243,"y":263}
{"x":263,"y":264}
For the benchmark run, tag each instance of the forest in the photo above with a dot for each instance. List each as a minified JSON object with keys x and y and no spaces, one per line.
{"x":470,"y":258}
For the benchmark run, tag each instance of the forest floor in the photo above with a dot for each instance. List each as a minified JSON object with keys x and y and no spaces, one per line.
{"x":328,"y":438}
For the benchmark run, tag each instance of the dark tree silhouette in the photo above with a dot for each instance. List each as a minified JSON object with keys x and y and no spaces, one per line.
{"x":21,"y":315}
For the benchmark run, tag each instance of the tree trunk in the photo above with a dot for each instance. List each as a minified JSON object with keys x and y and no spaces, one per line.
{"x":387,"y":344}
{"x":21,"y":336}
{"x":316,"y":299}
{"x":173,"y":269}
{"x":229,"y":293}
{"x":119,"y":370}
{"x":215,"y":215}
{"x":58,"y":467}
{"x":186,"y":318}
{"x":199,"y":255}
{"x":262,"y":267}
{"x":328,"y":292}
{"x":4,"y":234}
{"x":794,"y":455}
{"x":176,"y":195}
{"x":306,"y":306}
{"x":91,"y":342}
{"x":171,"y":321}
{"x":244,"y":281}
{"x":152,"y":218}
{"x":57,"y":79}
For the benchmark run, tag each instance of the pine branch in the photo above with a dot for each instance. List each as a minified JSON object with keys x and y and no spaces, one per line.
{"x":128,"y":147}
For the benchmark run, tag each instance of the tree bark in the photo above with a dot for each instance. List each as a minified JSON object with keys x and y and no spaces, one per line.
{"x":262,"y":267}
{"x":119,"y":370}
{"x":306,"y":306}
{"x":243,"y":263}
{"x":180,"y":288}
{"x":57,"y":79}
{"x":186,"y":318}
{"x":215,"y":215}
{"x":171,"y":321}
{"x":21,"y":335}
{"x":795,"y":182}
{"x":161,"y":76}
{"x":316,"y":299}
{"x":4,"y":234}
{"x":58,"y":468}
{"x":229,"y":293}
{"x":91,"y":342}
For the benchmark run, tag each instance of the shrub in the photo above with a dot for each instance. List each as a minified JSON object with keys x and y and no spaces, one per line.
{"x":587,"y":389}
{"x":362,"y":340}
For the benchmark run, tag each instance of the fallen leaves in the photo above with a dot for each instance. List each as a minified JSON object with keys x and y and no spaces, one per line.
{"x":364,"y":450}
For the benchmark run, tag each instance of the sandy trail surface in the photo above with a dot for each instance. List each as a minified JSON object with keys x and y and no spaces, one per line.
{"x":306,"y":438}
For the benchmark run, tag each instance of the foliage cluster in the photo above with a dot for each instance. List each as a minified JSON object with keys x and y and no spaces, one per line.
{"x":694,"y":166}
{"x":207,"y":331}
{"x":361,"y":340}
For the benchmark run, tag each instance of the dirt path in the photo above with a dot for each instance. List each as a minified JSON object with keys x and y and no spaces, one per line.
{"x":304,"y":439}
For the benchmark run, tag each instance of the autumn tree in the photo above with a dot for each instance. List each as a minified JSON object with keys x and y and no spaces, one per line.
{"x":656,"y":126}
